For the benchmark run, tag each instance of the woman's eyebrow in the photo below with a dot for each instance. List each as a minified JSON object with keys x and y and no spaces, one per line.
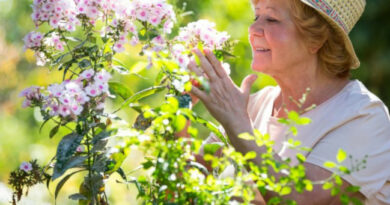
{"x":268,"y":7}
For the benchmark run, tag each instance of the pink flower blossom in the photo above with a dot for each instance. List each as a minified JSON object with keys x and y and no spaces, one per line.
{"x":33,"y":40}
{"x":92,"y":90}
{"x":102,"y":77}
{"x":80,"y":148}
{"x":203,"y":31}
{"x":26,"y":166}
{"x":87,"y":74}
{"x":64,"y":110}
{"x":119,"y":47}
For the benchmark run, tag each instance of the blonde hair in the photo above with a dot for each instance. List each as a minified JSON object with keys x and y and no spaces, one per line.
{"x":333,"y":57}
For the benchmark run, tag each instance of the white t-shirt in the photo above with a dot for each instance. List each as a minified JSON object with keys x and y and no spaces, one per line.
{"x":354,"y":120}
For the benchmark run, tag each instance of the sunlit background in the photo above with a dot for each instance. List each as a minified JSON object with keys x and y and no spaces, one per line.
{"x":20,"y":139}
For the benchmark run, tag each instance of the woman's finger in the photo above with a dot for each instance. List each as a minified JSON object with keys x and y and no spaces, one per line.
{"x":200,"y":94}
{"x":216,"y":64}
{"x":206,"y":66}
{"x":194,"y":68}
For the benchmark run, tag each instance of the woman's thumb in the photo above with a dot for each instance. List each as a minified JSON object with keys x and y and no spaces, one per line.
{"x":247,"y":83}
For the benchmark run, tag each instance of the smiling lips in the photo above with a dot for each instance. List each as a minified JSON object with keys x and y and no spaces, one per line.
{"x":262,"y":49}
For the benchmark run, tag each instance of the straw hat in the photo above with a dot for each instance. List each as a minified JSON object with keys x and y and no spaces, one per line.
{"x":342,"y":16}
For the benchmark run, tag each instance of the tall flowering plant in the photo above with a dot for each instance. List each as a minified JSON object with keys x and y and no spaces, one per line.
{"x":81,"y":41}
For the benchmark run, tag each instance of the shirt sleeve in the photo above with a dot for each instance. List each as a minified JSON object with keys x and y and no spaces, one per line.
{"x":364,"y":138}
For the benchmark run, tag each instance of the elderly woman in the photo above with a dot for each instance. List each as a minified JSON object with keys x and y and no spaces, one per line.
{"x":305,"y":44}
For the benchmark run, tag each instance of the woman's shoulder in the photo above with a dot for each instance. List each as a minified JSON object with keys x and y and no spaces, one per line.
{"x":365,"y":102}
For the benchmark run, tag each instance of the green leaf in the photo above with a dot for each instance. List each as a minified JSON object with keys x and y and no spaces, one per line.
{"x":73,"y":162}
{"x":330,"y":164}
{"x":304,"y":121}
{"x":84,"y":63}
{"x":211,"y":148}
{"x":335,"y":191}
{"x":144,"y":93}
{"x":121,"y":70}
{"x":138,"y":67}
{"x":54,"y":131}
{"x":341,"y":156}
{"x":74,"y":39}
{"x":308,"y":185}
{"x":63,"y":181}
{"x":301,"y":158}
{"x":77,"y":197}
{"x":285,"y":191}
{"x":246,"y":136}
{"x":293,"y":116}
{"x":122,"y":173}
{"x":180,"y":122}
{"x":250,"y":155}
{"x":120,"y":89}
{"x":327,"y":185}
{"x":65,"y":150}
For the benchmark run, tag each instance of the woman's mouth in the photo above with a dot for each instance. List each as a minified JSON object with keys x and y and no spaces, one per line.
{"x":263,"y":50}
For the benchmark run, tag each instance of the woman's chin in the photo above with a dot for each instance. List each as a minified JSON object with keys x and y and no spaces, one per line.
{"x":259,"y":67}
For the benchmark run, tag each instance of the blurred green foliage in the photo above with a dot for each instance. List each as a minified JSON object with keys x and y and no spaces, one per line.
{"x":20,"y":139}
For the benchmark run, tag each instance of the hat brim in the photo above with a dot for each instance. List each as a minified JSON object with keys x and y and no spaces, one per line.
{"x":343,"y":34}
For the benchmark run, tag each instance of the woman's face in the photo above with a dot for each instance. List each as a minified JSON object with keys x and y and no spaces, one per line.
{"x":276,"y":45}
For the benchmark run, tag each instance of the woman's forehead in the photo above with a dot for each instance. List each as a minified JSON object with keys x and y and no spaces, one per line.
{"x":271,"y":5}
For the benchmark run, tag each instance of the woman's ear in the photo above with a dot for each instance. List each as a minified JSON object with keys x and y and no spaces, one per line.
{"x":314,"y":48}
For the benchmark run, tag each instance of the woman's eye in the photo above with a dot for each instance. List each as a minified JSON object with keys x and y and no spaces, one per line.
{"x":272,"y":20}
{"x":256,"y":18}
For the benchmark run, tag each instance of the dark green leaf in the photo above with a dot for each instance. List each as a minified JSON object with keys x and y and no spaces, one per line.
{"x":63,"y":181}
{"x":73,"y":162}
{"x":122,"y":174}
{"x":120,"y":89}
{"x":54,"y":131}
{"x":84,"y":63}
{"x":65,"y":150}
{"x":43,"y":124}
{"x":77,"y":197}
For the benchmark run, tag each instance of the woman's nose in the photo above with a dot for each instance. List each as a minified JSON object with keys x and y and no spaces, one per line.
{"x":256,"y":29}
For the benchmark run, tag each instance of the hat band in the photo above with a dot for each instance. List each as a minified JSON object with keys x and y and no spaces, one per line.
{"x":326,"y":8}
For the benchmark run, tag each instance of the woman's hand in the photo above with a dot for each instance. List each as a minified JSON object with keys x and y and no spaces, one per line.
{"x":226,"y":102}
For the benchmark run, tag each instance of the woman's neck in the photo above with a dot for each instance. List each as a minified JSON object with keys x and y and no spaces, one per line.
{"x":294,"y":86}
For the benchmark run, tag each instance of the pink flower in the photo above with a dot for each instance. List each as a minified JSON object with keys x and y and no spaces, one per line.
{"x":102,"y":77}
{"x":87,"y":74}
{"x":80,"y":148}
{"x":119,"y":47}
{"x":56,"y":89}
{"x":26,"y":166}
{"x":33,"y":40}
{"x":64,"y":110}
{"x":76,"y":109}
{"x":92,"y":90}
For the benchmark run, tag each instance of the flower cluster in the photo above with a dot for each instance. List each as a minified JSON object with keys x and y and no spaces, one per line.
{"x":70,"y":97}
{"x":33,"y":40}
{"x":55,"y":41}
{"x":33,"y":96}
{"x":203,"y":31}
{"x":155,"y":12}
{"x":59,"y":13}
